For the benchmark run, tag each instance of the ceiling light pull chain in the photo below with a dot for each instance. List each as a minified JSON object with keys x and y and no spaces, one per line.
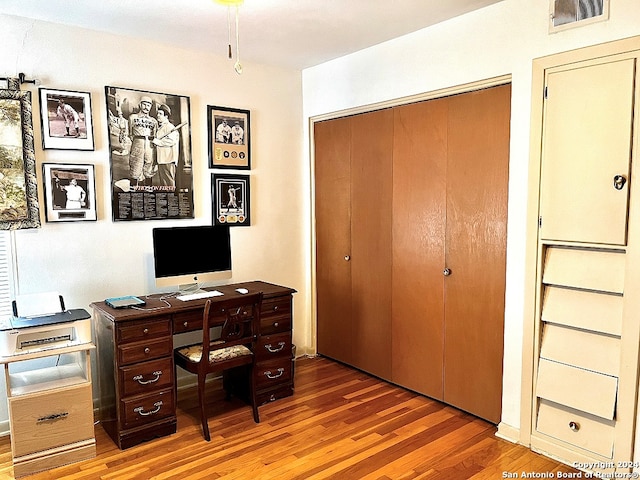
{"x":238,"y":65}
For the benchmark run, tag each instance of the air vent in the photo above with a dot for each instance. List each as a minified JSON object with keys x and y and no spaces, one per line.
{"x":574,"y":13}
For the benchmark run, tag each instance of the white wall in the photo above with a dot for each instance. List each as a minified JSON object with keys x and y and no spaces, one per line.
{"x":89,"y":261}
{"x":497,"y":40}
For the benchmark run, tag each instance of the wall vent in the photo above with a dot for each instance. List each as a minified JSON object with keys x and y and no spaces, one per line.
{"x":575,"y":13}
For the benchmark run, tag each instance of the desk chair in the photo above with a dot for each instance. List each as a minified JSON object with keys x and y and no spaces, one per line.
{"x":239,"y":318}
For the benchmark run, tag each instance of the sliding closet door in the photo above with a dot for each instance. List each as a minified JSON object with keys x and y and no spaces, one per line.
{"x":333,"y":237}
{"x":419,"y":188}
{"x":477,"y":177}
{"x":371,"y":181}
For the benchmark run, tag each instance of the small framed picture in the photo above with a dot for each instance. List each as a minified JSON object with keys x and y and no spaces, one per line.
{"x":231,"y":199}
{"x":229,"y":138}
{"x":70,"y":192}
{"x":66,"y":120}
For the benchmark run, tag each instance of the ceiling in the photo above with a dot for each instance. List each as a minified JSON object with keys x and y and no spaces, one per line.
{"x":287,"y":33}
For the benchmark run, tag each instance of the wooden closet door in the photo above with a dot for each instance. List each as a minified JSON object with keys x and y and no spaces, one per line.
{"x":371,"y":181}
{"x":333,"y":237}
{"x":477,"y":178}
{"x":419,"y":189}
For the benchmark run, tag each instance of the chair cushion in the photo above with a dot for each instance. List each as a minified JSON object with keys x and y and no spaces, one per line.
{"x":193,"y":353}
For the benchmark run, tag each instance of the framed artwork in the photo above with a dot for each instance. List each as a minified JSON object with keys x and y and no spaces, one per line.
{"x":231,"y":199}
{"x":69,"y":192}
{"x":229,"y":138}
{"x":66,"y":120}
{"x":150,"y":152}
{"x":18,"y":185}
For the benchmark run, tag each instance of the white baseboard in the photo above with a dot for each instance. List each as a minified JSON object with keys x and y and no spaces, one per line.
{"x":508,"y":433}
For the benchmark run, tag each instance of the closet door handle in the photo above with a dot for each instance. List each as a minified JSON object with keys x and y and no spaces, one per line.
{"x":446,"y":272}
{"x":619,"y":181}
{"x":347,"y":258}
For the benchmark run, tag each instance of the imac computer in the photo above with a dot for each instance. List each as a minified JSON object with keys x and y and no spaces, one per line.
{"x":189,"y":256}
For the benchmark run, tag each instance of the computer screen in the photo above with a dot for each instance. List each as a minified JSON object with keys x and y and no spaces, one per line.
{"x":188,"y":256}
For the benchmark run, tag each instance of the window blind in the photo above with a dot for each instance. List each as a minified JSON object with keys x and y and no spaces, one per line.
{"x":6,"y":277}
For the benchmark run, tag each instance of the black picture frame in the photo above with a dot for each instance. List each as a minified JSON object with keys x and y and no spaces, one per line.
{"x":231,"y":199}
{"x":18,"y":184}
{"x":69,"y":192}
{"x":66,"y":120}
{"x":229,"y":137}
{"x":144,"y":185}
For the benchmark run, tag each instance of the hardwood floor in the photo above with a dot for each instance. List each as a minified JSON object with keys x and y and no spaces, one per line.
{"x":339,"y":424}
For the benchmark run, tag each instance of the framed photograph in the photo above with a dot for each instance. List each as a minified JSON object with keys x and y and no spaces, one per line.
{"x":66,"y":120}
{"x":229,"y":138}
{"x":18,"y":184}
{"x":231,"y":199}
{"x":69,"y":192}
{"x":150,"y":151}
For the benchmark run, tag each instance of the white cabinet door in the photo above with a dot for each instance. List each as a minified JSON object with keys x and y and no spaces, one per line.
{"x":586,"y":152}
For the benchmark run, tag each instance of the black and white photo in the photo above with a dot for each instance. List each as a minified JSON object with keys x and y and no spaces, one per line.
{"x":66,"y":120}
{"x":229,"y":138}
{"x":70,"y":193}
{"x":231,"y":199}
{"x":150,"y":150}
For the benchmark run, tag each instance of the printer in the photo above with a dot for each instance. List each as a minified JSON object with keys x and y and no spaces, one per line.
{"x":41,"y":322}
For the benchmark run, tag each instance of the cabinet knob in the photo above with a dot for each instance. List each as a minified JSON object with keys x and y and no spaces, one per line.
{"x":147,"y":350}
{"x":145,"y":331}
{"x":446,"y":272}
{"x":185,"y":324}
{"x":276,"y":324}
{"x":574,"y":426}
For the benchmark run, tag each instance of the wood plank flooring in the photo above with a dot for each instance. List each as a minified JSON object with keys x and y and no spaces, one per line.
{"x":339,"y":424}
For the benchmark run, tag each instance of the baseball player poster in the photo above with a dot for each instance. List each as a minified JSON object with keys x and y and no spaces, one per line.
{"x":150,"y":153}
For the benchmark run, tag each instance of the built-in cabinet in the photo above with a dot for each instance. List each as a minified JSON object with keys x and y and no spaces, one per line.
{"x":410,"y":236}
{"x":586,"y":316}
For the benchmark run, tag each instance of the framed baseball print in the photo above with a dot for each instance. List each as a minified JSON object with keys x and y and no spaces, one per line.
{"x":70,"y":192}
{"x":229,"y":138}
{"x":66,"y":120}
{"x":231,"y":199}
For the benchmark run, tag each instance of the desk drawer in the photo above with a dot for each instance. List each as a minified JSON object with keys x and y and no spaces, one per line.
{"x":52,"y":419}
{"x":146,"y":409}
{"x":273,"y":372}
{"x":146,"y":376}
{"x":276,"y":307}
{"x":143,"y":329}
{"x":142,"y":351}
{"x":271,"y":346}
{"x":187,"y":321}
{"x":272,"y":395}
{"x":275,"y":324}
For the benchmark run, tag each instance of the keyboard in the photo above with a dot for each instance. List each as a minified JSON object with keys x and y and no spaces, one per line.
{"x":199,"y":295}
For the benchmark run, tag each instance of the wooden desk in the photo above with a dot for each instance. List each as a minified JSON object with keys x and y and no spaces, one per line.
{"x":136,"y":373}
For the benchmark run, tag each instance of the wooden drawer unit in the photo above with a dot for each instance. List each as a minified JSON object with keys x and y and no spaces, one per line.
{"x":51,"y":419}
{"x":51,"y":410}
{"x":135,"y":359}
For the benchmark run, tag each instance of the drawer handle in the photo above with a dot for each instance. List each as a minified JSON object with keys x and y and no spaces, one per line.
{"x":275,"y":308}
{"x":270,"y":375}
{"x":276,"y":349}
{"x":145,"y":331}
{"x":138,"y":378}
{"x":276,"y":324}
{"x":147,"y":349}
{"x":185,"y":324}
{"x":140,"y":411}
{"x":574,"y":426}
{"x":52,"y":418}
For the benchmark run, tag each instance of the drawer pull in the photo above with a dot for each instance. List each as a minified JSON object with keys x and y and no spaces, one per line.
{"x":574,"y":426}
{"x":185,"y":324}
{"x":270,"y":375}
{"x":145,"y":331}
{"x":276,"y":324}
{"x":52,"y":418}
{"x":140,"y":411}
{"x":271,"y":349}
{"x":138,"y":378}
{"x":147,"y":349}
